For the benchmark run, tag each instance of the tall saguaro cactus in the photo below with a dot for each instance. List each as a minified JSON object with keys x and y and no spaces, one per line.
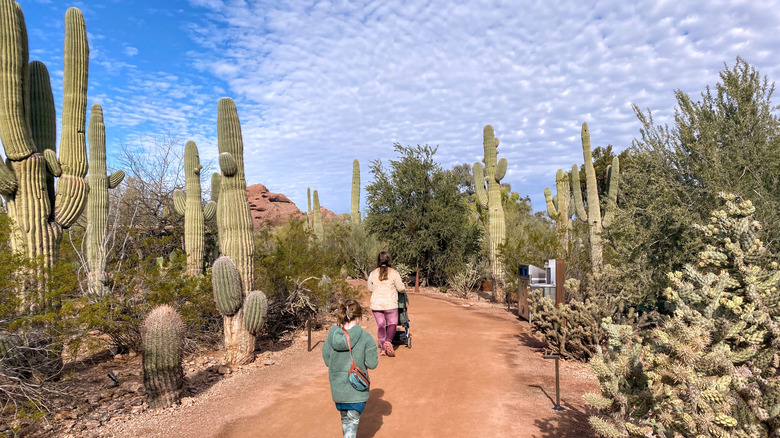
{"x":317,"y":217}
{"x":354,"y":208}
{"x":97,"y":203}
{"x":558,"y":208}
{"x":309,"y":217}
{"x":490,"y":199}
{"x":27,"y":131}
{"x":234,"y":224}
{"x":596,"y":223}
{"x":191,"y":206}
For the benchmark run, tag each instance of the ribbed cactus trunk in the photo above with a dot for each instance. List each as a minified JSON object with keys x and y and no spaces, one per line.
{"x":593,"y":215}
{"x":162,"y":335}
{"x":354,"y":209}
{"x":558,"y":209}
{"x":97,"y":203}
{"x":27,"y":130}
{"x":195,"y":214}
{"x":490,"y":199}
{"x":309,"y":213}
{"x":234,"y":224}
{"x":317,"y":217}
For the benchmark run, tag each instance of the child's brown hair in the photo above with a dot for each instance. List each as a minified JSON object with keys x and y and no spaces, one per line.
{"x":348,"y":310}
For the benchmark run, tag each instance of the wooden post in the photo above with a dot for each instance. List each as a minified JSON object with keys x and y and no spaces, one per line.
{"x":560,"y":278}
{"x":557,"y":406}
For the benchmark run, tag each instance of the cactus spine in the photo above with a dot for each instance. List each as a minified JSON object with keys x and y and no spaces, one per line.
{"x":490,"y":199}
{"x":593,"y":217}
{"x":191,"y":206}
{"x":558,"y":208}
{"x":97,"y":203}
{"x":234,"y":224}
{"x":317,"y":217}
{"x":162,"y":334}
{"x":27,"y":130}
{"x":355,"y":205}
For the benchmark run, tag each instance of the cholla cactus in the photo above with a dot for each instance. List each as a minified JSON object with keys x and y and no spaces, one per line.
{"x":97,"y":204}
{"x":162,"y":335}
{"x":28,"y":131}
{"x":354,"y":208}
{"x":558,"y":208}
{"x":711,"y":369}
{"x":593,"y":217}
{"x":490,"y":199}
{"x":191,"y":206}
{"x":317,"y":217}
{"x":234,"y":224}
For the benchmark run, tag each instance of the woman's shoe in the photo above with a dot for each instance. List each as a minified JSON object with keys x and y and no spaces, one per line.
{"x":389,"y":349}
{"x":382,"y":353}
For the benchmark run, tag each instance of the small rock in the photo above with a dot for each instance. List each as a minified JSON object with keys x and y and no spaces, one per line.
{"x":93,"y":399}
{"x":269,"y":362}
{"x":224,"y":369}
{"x":91,"y":424}
{"x":187,"y":401}
{"x":137,"y":409}
{"x":62,"y":415}
{"x":115,"y":406}
{"x":68,"y":424}
{"x":118,"y":356}
{"x":107,"y":393}
{"x":132,"y":354}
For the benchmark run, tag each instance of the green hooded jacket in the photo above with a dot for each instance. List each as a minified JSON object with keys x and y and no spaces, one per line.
{"x":336,"y":355}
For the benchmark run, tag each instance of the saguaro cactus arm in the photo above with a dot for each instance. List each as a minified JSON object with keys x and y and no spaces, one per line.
{"x":179,"y":202}
{"x":479,"y":185}
{"x":613,"y":178}
{"x":15,"y":132}
{"x":552,"y":204}
{"x":576,"y":188}
{"x":115,"y":179}
{"x":215,"y":181}
{"x":72,"y":187}
{"x":210,"y":210}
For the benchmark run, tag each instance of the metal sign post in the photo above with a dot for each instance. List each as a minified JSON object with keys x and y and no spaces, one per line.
{"x":557,"y":406}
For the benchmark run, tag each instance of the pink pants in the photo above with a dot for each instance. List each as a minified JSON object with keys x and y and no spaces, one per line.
{"x":386,"y":321}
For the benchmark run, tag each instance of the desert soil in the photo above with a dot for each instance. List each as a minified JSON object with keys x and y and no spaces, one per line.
{"x":474,"y":369}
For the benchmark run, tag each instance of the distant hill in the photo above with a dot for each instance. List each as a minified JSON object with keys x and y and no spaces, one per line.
{"x":275,"y":208}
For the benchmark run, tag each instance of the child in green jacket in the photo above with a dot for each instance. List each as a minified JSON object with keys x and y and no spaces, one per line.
{"x":349,"y":401}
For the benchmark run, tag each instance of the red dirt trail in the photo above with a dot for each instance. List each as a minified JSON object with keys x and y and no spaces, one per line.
{"x":473,"y":371}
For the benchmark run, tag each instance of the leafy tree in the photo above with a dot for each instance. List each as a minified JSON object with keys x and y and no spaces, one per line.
{"x":727,"y":141}
{"x":419,"y":210}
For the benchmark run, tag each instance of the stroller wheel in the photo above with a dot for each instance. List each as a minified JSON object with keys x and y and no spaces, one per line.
{"x":409,"y":341}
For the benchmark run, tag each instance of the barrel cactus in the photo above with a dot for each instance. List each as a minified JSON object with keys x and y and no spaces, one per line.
{"x":162,"y":334}
{"x":38,"y":212}
{"x":195,"y":214}
{"x":490,"y":199}
{"x":97,"y":204}
{"x":592,"y":216}
{"x":234,"y":225}
{"x":354,"y":209}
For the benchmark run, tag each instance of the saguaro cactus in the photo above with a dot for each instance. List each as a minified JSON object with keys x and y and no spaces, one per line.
{"x":558,"y":208}
{"x":97,"y":203}
{"x":191,"y":206}
{"x":593,"y":217}
{"x":490,"y":199}
{"x":234,"y":224}
{"x":309,"y":216}
{"x":27,"y":131}
{"x":162,"y":335}
{"x":317,"y":217}
{"x":354,"y":209}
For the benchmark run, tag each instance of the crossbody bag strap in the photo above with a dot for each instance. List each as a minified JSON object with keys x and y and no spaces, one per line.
{"x":348,"y":344}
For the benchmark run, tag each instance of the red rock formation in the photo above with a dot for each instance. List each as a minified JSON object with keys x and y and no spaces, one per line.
{"x":275,"y":208}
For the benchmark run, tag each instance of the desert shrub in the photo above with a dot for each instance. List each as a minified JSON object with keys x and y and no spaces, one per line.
{"x":140,"y":287}
{"x":710,"y":369}
{"x":464,"y":280}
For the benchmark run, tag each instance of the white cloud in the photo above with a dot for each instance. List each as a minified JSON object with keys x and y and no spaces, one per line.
{"x":131,"y":51}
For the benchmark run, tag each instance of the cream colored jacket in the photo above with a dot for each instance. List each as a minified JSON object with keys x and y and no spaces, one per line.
{"x":384,"y":294}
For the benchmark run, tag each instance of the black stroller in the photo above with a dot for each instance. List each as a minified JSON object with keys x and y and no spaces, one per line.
{"x":403,"y":336}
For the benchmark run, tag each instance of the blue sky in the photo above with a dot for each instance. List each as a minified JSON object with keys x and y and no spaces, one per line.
{"x":320,"y":83}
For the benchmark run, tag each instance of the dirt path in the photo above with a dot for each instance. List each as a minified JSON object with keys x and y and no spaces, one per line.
{"x":473,"y":371}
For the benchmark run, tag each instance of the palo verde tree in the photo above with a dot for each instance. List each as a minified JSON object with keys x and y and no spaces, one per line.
{"x":417,"y":208}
